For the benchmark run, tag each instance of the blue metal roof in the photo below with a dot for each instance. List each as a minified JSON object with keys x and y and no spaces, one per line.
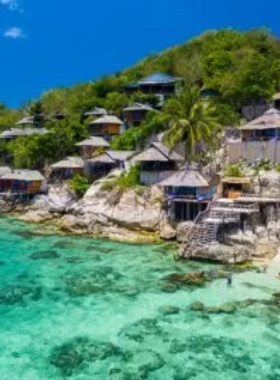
{"x":158,"y":78}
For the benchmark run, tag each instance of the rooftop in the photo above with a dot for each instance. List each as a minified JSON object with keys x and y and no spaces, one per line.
{"x":158,"y":152}
{"x":107,"y":119}
{"x":15,"y":132}
{"x":111,"y":156}
{"x":138,"y":107}
{"x":96,"y":112}
{"x":270,"y":119}
{"x":102,"y":158}
{"x":186,"y":178}
{"x":4,"y":170}
{"x":69,"y":163}
{"x":26,"y":120}
{"x":95,"y":142}
{"x":158,"y":78}
{"x":23,"y":175}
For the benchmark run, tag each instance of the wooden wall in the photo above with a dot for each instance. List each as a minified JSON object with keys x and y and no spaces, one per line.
{"x":250,"y":151}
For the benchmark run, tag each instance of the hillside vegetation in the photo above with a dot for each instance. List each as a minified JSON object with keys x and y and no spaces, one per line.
{"x":242,"y":67}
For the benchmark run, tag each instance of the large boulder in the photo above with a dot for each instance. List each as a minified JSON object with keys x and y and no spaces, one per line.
{"x":266,"y":248}
{"x":36,"y":216}
{"x":60,"y":199}
{"x":183,"y":230}
{"x":128,"y":209}
{"x":240,"y":238}
{"x":166,"y":231}
{"x":222,"y":253}
{"x":268,"y":182}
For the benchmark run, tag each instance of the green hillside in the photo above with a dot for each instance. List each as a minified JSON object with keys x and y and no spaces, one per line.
{"x":242,"y":67}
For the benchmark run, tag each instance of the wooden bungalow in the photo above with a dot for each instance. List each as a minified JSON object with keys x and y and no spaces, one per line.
{"x":189,"y":192}
{"x":89,"y":147}
{"x":157,"y":163}
{"x":22,"y":182}
{"x":235,"y":187}
{"x":102,"y":164}
{"x":157,"y":83}
{"x":259,"y":140}
{"x":67,"y":168}
{"x":106,"y":126}
{"x":135,"y":114}
{"x":96,"y":112}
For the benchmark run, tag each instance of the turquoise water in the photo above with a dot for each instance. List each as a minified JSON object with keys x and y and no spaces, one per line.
{"x":88,"y":309}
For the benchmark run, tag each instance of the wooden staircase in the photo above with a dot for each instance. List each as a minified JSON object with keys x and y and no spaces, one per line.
{"x":205,"y":229}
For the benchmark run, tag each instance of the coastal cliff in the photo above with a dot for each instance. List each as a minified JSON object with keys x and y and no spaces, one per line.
{"x":140,"y":217}
{"x":118,"y":215}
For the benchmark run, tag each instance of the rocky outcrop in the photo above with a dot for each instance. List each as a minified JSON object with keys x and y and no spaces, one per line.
{"x":130,"y":216}
{"x":267,"y":182}
{"x":60,"y":199}
{"x":127,"y":216}
{"x":222,"y":253}
{"x":183,"y":230}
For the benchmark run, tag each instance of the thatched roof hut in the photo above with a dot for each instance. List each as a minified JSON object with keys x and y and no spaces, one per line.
{"x":158,"y":152}
{"x":94,"y":141}
{"x":98,"y":112}
{"x":186,"y":178}
{"x":69,"y":163}
{"x":107,"y":119}
{"x":269,"y":120}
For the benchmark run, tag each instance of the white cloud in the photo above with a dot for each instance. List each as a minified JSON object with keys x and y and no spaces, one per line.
{"x":14,"y":33}
{"x":13,"y":5}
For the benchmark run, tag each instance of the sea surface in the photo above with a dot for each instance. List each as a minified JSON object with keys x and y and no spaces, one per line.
{"x":75,"y":308}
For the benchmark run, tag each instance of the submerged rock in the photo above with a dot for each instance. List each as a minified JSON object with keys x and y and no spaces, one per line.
{"x":169,"y":310}
{"x":70,"y":356}
{"x":44,"y":255}
{"x":102,"y":279}
{"x":141,"y":329}
{"x":19,"y":294}
{"x":197,"y":306}
{"x":63,"y":244}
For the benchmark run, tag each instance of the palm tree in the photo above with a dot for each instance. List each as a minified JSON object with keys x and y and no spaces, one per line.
{"x":192,"y":121}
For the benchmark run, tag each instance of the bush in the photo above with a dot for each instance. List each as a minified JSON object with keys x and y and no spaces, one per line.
{"x":263,"y":165}
{"x":130,"y":180}
{"x":234,"y":171}
{"x":80,"y":184}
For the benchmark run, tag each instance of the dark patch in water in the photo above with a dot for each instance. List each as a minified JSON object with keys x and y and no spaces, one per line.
{"x":24,"y":234}
{"x":70,"y":356}
{"x":19,"y":294}
{"x":63,"y":244}
{"x":74,"y":260}
{"x":139,"y":330}
{"x":44,"y":255}
{"x":103,"y":279}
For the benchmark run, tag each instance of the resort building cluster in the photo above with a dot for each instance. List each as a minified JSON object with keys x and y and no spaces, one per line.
{"x":209,"y":199}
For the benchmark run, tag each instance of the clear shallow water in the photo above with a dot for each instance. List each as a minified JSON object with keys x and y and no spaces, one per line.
{"x":90,"y":309}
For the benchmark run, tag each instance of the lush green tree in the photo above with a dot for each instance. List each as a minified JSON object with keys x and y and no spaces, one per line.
{"x":39,"y":151}
{"x":37,"y":111}
{"x":192,"y":121}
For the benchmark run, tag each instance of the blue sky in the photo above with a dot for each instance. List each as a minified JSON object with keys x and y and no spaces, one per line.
{"x":48,"y":43}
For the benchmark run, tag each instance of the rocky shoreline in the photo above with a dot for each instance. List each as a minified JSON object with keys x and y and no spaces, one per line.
{"x":140,"y":217}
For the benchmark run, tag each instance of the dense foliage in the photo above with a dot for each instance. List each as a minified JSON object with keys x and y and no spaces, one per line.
{"x":125,"y":181}
{"x":80,"y":184}
{"x":238,"y":68}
